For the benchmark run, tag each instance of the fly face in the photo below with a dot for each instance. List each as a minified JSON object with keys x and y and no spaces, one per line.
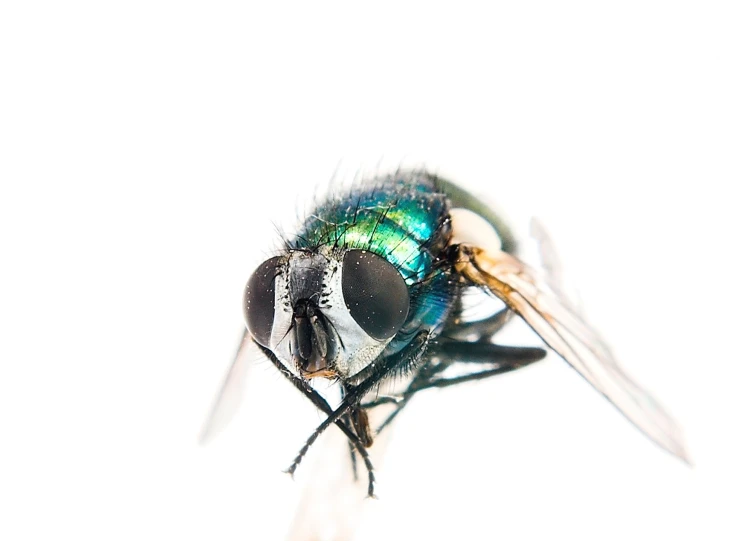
{"x":326,"y":313}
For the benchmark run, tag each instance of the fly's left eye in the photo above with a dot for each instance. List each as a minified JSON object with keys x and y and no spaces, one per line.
{"x":375,"y":293}
{"x":260,"y":301}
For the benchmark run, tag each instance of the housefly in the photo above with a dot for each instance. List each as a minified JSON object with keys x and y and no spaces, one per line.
{"x":370,"y":289}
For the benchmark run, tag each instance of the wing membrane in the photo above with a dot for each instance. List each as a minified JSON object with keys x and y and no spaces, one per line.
{"x":230,"y":394}
{"x":564,"y":331}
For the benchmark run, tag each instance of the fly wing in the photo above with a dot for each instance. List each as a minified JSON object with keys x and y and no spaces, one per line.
{"x":230,"y":394}
{"x":564,"y":331}
{"x":548,"y":256}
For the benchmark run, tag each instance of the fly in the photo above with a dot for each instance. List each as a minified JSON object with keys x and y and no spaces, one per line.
{"x":371,"y":289}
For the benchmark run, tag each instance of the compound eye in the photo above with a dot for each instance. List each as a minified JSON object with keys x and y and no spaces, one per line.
{"x":375,"y":293}
{"x":260,"y":301}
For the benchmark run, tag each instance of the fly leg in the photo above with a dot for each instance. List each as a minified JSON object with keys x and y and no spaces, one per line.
{"x":453,"y":351}
{"x":481,"y":330}
{"x":352,"y":450}
{"x":502,"y":359}
{"x":323,"y":405}
{"x":424,"y":374}
{"x":359,"y":422}
{"x":354,"y":394}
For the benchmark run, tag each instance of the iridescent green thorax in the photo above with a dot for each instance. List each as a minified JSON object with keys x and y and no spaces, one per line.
{"x":404,"y":219}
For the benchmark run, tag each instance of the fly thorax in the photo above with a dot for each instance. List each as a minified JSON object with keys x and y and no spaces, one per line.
{"x":328,"y":313}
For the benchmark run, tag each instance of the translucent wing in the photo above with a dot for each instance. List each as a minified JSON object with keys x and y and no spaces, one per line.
{"x":229,"y":396}
{"x":548,"y":256}
{"x":564,"y":331}
{"x":554,"y":272}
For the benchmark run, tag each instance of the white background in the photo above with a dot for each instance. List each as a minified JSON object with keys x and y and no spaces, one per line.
{"x":146,"y":149}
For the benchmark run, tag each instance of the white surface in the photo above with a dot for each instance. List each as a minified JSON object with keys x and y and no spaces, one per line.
{"x":146,"y":148}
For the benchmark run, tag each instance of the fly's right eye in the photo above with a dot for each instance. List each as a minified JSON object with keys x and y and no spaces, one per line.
{"x":260,"y":301}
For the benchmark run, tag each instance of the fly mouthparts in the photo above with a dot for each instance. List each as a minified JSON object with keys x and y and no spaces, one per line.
{"x":311,"y":347}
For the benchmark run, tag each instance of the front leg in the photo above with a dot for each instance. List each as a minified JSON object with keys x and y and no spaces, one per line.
{"x":354,"y":394}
